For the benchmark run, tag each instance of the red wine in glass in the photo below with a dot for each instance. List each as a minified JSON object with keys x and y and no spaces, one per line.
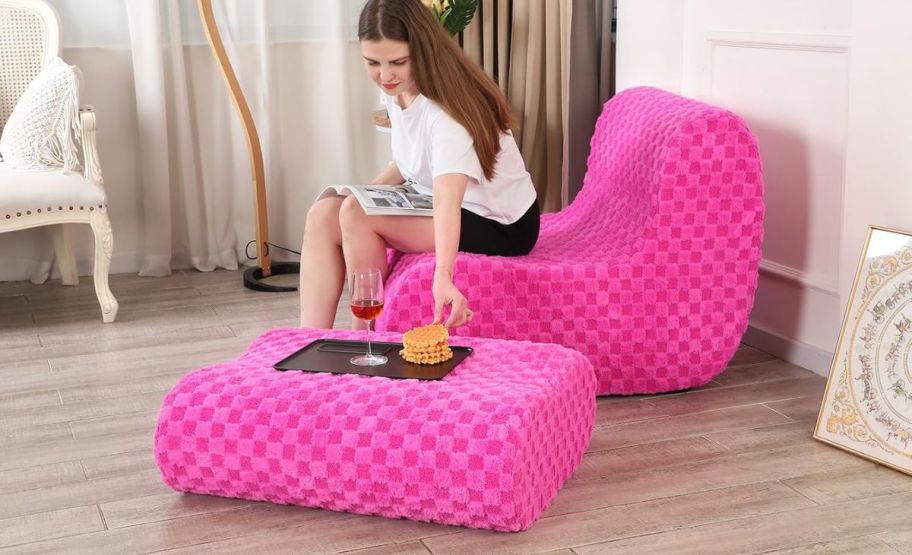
{"x":366,"y":304}
{"x":367,"y":309}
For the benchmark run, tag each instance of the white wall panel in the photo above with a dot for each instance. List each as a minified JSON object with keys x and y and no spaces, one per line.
{"x":785,"y":67}
{"x":794,"y":94}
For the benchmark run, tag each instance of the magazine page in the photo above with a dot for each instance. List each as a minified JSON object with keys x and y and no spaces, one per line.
{"x":385,"y":199}
{"x":391,"y":197}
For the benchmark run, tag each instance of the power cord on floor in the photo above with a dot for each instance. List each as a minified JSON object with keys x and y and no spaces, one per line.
{"x":268,"y":244}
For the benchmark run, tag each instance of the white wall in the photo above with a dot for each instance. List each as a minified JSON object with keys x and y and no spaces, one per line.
{"x":825,"y":85}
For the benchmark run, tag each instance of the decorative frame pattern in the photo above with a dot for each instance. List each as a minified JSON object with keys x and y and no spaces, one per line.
{"x":867,"y":407}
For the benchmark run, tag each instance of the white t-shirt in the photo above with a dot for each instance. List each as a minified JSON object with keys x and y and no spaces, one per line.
{"x":427,"y":143}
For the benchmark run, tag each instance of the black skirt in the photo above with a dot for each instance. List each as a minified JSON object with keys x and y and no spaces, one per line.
{"x":484,"y":236}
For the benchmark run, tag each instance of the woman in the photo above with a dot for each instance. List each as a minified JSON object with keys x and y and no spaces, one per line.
{"x":451,"y":139}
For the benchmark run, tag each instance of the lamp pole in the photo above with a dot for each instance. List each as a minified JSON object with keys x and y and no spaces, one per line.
{"x":265,"y":268}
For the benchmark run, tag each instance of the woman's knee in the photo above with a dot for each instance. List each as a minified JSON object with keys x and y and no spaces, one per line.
{"x":324,"y":213}
{"x":351,"y":216}
{"x":323,"y":218}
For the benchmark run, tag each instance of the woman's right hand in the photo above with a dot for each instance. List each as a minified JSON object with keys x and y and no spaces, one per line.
{"x":446,"y":293}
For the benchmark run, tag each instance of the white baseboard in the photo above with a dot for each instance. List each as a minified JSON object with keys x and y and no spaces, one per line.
{"x":813,"y":358}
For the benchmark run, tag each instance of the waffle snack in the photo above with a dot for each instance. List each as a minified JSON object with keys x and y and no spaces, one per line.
{"x":426,"y":345}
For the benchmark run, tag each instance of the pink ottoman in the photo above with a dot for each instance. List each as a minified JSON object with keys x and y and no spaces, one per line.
{"x":488,"y":446}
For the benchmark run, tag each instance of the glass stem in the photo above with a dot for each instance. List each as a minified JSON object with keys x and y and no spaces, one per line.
{"x":369,"y":355}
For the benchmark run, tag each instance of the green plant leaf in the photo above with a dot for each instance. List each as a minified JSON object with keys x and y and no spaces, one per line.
{"x":458,"y":16}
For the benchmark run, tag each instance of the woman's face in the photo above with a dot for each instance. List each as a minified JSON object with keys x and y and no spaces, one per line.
{"x":389,"y":65}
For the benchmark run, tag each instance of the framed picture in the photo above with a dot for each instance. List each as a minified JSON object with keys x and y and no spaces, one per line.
{"x":867,"y":408}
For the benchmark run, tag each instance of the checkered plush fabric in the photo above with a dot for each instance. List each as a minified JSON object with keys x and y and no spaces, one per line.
{"x":488,"y":446}
{"x":650,"y":272}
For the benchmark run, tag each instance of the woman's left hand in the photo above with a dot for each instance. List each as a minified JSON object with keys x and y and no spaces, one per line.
{"x":446,"y":293}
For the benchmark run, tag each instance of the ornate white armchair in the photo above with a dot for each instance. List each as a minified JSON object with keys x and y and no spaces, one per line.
{"x":29,"y":39}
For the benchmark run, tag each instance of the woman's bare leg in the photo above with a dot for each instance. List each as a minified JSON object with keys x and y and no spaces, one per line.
{"x":322,"y":265}
{"x":365,"y":238}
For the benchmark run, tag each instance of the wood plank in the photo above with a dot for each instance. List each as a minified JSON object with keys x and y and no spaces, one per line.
{"x":126,"y":286}
{"x":343,"y":319}
{"x":803,"y":409}
{"x":750,"y":394}
{"x":137,"y":387}
{"x":13,"y":436}
{"x":83,"y":410}
{"x":9,"y":302}
{"x":409,"y":548}
{"x":48,"y":452}
{"x":129,"y":325}
{"x":12,"y":370}
{"x":76,"y":494}
{"x":769,"y":437}
{"x":768,"y":371}
{"x":165,"y":506}
{"x":17,"y":339}
{"x":692,"y":477}
{"x":746,"y":355}
{"x":12,"y":402}
{"x":53,"y":291}
{"x":868,"y":545}
{"x":22,"y":479}
{"x":789,"y":529}
{"x":611,"y":411}
{"x":345,"y":534}
{"x":83,"y":309}
{"x":12,"y":320}
{"x":192,"y":530}
{"x":49,"y":525}
{"x":79,"y":384}
{"x":646,"y":456}
{"x":110,"y":345}
{"x":17,"y":331}
{"x":838,"y":487}
{"x":900,"y":540}
{"x":221,"y":278}
{"x":268,"y":309}
{"x":85,"y":376}
{"x":132,"y":462}
{"x":685,"y":425}
{"x":588,"y":527}
{"x":247,"y":332}
{"x":125,"y":362}
{"x":231,"y":282}
{"x":138,"y":424}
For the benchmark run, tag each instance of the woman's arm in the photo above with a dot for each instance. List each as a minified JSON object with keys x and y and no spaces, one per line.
{"x":389,"y":176}
{"x":449,"y":189}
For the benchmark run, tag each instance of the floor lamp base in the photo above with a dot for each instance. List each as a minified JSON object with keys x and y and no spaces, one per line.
{"x":253,"y":277}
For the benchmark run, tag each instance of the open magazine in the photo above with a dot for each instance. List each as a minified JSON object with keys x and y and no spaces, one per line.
{"x":389,"y":200}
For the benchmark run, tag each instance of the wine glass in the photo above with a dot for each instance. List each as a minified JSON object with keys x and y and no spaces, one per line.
{"x":366,"y":304}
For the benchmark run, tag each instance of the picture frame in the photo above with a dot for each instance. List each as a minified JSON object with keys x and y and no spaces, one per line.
{"x":867,"y":406}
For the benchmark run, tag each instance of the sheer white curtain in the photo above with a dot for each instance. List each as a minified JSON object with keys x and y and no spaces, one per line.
{"x":298,"y":65}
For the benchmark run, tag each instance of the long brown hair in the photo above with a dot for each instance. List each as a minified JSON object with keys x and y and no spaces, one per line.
{"x":443,"y":72}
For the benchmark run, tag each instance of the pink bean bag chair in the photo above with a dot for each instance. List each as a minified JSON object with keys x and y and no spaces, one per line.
{"x":487,"y":446}
{"x":650,"y":272}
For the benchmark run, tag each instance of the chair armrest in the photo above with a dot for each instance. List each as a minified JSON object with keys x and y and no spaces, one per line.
{"x":89,"y":147}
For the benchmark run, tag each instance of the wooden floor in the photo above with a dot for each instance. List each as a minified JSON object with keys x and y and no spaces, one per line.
{"x":730,"y":468}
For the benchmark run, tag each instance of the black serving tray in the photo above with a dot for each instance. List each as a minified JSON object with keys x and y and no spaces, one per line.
{"x":333,"y":355}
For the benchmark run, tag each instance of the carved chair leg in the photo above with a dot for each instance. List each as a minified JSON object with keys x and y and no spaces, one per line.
{"x":65,"y":259}
{"x":104,"y":246}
